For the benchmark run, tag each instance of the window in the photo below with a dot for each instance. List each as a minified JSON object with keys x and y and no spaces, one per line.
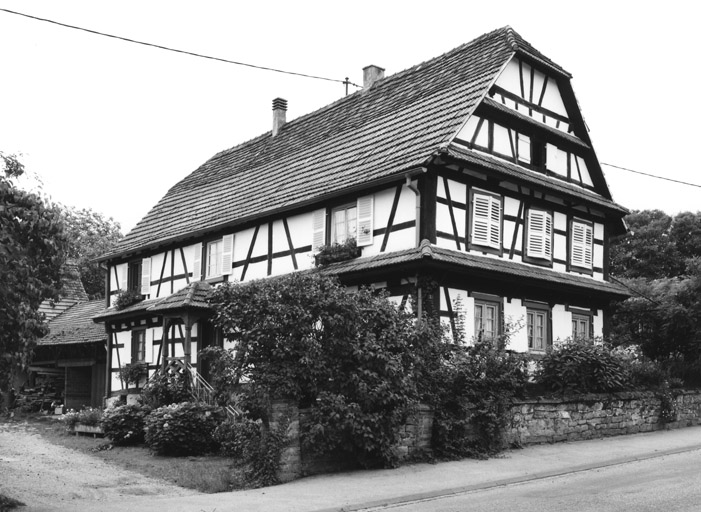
{"x":485,"y":228}
{"x":138,"y":346}
{"x":214,"y":258}
{"x":486,"y":320}
{"x":344,"y":223}
{"x":539,"y":234}
{"x":538,"y":329}
{"x":581,"y":326}
{"x":581,"y":244}
{"x":134,"y":276}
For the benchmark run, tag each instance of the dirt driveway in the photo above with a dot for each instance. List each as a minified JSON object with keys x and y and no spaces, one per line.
{"x":49,"y":477}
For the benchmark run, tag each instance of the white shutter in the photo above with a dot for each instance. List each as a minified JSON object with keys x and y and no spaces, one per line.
{"x":123,"y":276}
{"x":146,"y":276}
{"x":480,"y":219}
{"x":227,"y":254}
{"x":318,"y":228}
{"x":524,"y":148}
{"x":582,"y":238}
{"x":365,"y":221}
{"x":197,"y":263}
{"x":539,"y":241}
{"x":495,"y":223}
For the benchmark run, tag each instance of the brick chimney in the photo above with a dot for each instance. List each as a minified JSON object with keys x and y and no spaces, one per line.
{"x":279,"y":114}
{"x":372,"y":74}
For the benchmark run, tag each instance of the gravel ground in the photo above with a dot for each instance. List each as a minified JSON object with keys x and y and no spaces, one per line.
{"x":49,"y":477}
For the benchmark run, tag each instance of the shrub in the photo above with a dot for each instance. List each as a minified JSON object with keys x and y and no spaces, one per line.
{"x":254,"y":445}
{"x":239,"y":439}
{"x":70,"y":419}
{"x":304,"y":337}
{"x":165,"y":388}
{"x":183,"y":429}
{"x":583,"y":366}
{"x":124,"y":424}
{"x":472,"y":405}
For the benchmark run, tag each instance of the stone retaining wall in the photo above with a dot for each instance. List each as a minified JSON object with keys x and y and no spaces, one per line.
{"x":597,"y":415}
{"x":539,"y":420}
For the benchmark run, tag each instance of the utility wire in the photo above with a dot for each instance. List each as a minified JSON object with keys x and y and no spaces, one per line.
{"x":652,"y":175}
{"x":185,"y":52}
{"x":635,"y":291}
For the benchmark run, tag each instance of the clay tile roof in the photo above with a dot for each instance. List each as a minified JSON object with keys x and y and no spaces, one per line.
{"x":75,"y":325}
{"x":365,"y":137}
{"x":193,"y":295}
{"x":72,"y":292}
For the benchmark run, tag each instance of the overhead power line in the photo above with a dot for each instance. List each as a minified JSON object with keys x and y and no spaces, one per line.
{"x":346,"y":82}
{"x":653,"y":175}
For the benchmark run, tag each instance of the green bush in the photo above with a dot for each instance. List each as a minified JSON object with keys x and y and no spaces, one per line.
{"x":183,"y":429}
{"x":477,"y":385}
{"x":304,"y":337}
{"x":583,"y":366}
{"x":238,"y":439}
{"x":124,"y":424}
{"x":165,"y":388}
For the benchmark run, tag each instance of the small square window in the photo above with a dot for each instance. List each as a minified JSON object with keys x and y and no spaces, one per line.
{"x":581,"y":326}
{"x":344,"y":223}
{"x":214,"y":259}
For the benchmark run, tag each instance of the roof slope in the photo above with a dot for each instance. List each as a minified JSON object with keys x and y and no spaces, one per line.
{"x":75,"y":325}
{"x":72,"y":292}
{"x":395,"y":125}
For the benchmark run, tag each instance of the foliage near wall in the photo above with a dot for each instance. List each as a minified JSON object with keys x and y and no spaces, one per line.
{"x":348,"y":356}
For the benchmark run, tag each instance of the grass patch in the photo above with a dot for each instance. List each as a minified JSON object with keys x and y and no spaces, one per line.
{"x":208,"y":474}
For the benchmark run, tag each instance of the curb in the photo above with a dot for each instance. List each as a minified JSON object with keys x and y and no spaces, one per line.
{"x":433,"y":495}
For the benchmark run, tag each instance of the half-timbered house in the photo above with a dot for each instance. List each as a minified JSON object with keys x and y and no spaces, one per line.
{"x":468,"y":180}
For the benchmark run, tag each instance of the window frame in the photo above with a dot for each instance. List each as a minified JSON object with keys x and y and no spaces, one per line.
{"x":134,"y":272}
{"x":482,"y":301}
{"x":539,"y":259}
{"x":138,"y":346}
{"x":207,"y":256}
{"x":489,"y":246}
{"x":582,"y":316}
{"x":332,"y":221}
{"x":580,"y":266}
{"x":534,"y":310}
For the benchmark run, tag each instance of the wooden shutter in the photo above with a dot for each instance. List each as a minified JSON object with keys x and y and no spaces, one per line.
{"x":539,"y":241}
{"x":197,"y":263}
{"x":146,"y":276}
{"x":318,"y":228}
{"x":495,"y":223}
{"x":480,"y":219}
{"x":227,"y":254}
{"x":582,"y":238}
{"x":365,"y":221}
{"x":524,"y":148}
{"x":123,"y":276}
{"x":486,"y":220}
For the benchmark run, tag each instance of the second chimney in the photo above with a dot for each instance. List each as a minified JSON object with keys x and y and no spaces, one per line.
{"x":279,"y":114}
{"x":372,"y":74}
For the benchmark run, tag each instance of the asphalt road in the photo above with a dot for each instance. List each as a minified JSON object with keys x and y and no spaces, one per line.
{"x":668,"y":483}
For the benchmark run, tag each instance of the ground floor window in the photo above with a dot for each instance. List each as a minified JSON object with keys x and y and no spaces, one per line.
{"x":486,"y":319}
{"x":537,"y":325}
{"x":581,"y":326}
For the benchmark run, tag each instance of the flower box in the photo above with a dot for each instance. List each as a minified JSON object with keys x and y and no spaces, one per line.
{"x":88,"y":429}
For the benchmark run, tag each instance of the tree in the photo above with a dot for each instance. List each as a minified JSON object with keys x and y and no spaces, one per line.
{"x":347,"y":356}
{"x":91,"y":235}
{"x":659,"y":259}
{"x":32,"y":253}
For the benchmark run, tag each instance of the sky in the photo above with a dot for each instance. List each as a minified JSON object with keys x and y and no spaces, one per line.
{"x":111,"y":125}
